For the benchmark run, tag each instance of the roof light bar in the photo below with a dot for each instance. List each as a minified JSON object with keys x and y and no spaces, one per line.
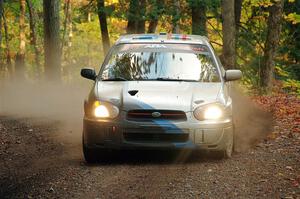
{"x":145,"y":37}
{"x":178,"y":37}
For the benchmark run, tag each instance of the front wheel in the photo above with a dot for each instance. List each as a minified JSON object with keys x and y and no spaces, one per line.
{"x":229,"y":146}
{"x":89,"y":154}
{"x":93,"y":155}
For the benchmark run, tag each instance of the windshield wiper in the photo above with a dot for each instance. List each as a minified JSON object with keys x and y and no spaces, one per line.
{"x":171,"y":79}
{"x":115,"y":79}
{"x":154,"y":79}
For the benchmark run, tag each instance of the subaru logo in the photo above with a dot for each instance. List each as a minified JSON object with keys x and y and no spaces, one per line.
{"x":156,"y":114}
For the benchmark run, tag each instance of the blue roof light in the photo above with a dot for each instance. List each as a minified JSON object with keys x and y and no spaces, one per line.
{"x":146,"y":37}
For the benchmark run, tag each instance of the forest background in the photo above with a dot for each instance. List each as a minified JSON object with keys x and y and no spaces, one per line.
{"x":53,"y":39}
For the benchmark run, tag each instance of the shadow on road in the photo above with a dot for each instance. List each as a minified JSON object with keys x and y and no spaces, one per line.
{"x":146,"y":157}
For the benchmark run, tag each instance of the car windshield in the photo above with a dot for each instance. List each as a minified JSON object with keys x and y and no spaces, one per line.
{"x":161,"y":62}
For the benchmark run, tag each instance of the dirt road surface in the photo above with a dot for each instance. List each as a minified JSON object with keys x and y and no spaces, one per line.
{"x":37,"y":162}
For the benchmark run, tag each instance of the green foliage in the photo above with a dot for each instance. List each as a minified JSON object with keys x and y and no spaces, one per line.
{"x":289,"y":50}
{"x":292,"y":86}
{"x":155,"y":9}
{"x":252,"y":35}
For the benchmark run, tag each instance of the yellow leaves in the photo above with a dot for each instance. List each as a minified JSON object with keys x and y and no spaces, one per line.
{"x":293,"y":17}
{"x":263,"y":3}
{"x":281,"y":72}
{"x":293,"y":86}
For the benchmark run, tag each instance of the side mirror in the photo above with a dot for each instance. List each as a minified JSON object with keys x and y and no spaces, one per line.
{"x":88,"y":73}
{"x":231,"y":75}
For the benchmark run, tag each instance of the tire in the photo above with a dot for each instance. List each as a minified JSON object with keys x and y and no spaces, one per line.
{"x":94,"y":155}
{"x":229,"y":147}
{"x":88,"y":153}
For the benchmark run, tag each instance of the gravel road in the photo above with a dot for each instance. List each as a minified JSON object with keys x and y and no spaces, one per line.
{"x":37,"y":162}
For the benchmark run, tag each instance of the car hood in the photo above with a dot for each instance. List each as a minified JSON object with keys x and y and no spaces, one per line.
{"x":165,"y":95}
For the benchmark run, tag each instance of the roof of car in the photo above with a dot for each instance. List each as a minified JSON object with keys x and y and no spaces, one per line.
{"x":163,"y":38}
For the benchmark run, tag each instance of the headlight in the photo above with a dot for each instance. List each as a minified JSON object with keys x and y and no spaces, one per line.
{"x":213,"y":113}
{"x":105,"y":110}
{"x":209,"y":112}
{"x":101,"y":111}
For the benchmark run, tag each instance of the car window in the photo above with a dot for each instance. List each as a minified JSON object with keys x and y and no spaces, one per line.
{"x":155,"y":61}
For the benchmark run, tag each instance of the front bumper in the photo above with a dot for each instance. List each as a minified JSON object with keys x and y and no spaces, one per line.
{"x":188,"y":134}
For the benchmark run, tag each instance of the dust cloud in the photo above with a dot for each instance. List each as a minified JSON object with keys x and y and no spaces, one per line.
{"x":64,"y":104}
{"x":61,"y":104}
{"x":252,"y":123}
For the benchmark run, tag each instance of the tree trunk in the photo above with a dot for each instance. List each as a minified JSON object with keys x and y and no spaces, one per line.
{"x":154,"y":14}
{"x":67,"y":12}
{"x":1,"y":12}
{"x":228,"y":29}
{"x":8,"y":52}
{"x":67,"y":29}
{"x":136,"y":16}
{"x":176,"y":17}
{"x":296,"y":37}
{"x":141,"y":17}
{"x":70,"y":25}
{"x":271,"y":44}
{"x":237,"y":12}
{"x":33,"y":36}
{"x":103,"y":26}
{"x":20,"y":57}
{"x":198,"y":17}
{"x":152,"y":25}
{"x":132,"y":16}
{"x":237,"y":16}
{"x":52,"y":40}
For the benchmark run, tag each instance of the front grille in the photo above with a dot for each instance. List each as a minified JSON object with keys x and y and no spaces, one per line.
{"x":137,"y":115}
{"x":156,"y":137}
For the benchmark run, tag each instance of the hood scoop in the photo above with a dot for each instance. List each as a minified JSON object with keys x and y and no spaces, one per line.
{"x":133,"y":92}
{"x":199,"y":101}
